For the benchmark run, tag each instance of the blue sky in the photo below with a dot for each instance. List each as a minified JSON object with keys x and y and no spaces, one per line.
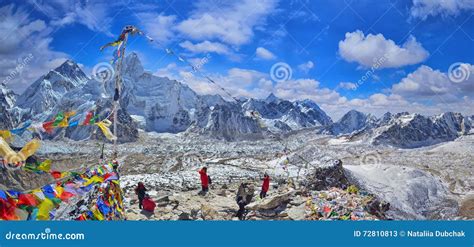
{"x":373,"y":56}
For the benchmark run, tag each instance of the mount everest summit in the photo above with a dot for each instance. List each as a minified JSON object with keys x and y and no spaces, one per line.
{"x":158,"y":104}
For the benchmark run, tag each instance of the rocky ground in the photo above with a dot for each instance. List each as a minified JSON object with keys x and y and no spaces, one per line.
{"x":434,"y":182}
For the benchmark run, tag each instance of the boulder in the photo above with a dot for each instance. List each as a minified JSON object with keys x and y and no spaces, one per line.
{"x":271,"y":202}
{"x":327,"y":176}
{"x":297,"y":213}
{"x":208,"y":213}
{"x":184,"y":216}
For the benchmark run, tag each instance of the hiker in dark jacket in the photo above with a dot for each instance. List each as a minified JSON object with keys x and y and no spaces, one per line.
{"x":140,"y":190}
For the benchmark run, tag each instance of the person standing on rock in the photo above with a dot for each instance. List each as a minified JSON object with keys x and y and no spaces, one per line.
{"x":204,"y":180}
{"x":265,"y":186}
{"x":140,"y":190}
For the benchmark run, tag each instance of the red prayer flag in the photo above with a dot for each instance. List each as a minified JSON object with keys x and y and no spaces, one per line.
{"x":7,"y":209}
{"x":27,"y":200}
{"x":81,"y":217}
{"x":88,"y":118}
{"x":66,"y":195}
{"x":55,"y":174}
{"x":48,"y":127}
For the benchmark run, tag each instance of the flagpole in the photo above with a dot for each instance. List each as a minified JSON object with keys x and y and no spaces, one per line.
{"x":116,"y":105}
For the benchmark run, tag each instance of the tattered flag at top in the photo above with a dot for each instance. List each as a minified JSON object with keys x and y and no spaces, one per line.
{"x":104,"y":126}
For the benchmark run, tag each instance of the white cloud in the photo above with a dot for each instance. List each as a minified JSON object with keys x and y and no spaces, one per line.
{"x":25,"y":53}
{"x":428,"y":84}
{"x":158,"y":26}
{"x":379,"y":52}
{"x":422,"y":9}
{"x":95,"y":15}
{"x":205,"y":47}
{"x":265,"y":54}
{"x":347,"y":85}
{"x":306,"y":67}
{"x":231,"y":23}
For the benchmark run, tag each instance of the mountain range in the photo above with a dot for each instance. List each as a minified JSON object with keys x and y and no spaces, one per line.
{"x":158,"y":104}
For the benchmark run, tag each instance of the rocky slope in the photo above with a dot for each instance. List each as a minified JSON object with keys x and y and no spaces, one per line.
{"x":284,"y":115}
{"x":414,"y":130}
{"x":403,"y":129}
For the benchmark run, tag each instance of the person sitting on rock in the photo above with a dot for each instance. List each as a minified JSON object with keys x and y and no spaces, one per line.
{"x":204,"y":180}
{"x":140,"y":190}
{"x":265,"y":186}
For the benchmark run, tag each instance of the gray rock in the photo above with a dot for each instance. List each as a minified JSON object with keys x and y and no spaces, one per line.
{"x":297,"y":213}
{"x":271,"y":202}
{"x":326,"y":176}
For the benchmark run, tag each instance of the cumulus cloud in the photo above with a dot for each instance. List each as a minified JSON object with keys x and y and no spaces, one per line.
{"x":347,"y":85}
{"x":306,"y":67}
{"x":158,"y":26}
{"x":205,"y":47}
{"x":25,"y":53}
{"x":265,"y":54}
{"x":426,"y":83}
{"x":422,"y":9}
{"x":95,"y":15}
{"x":377,"y":51}
{"x":231,"y":23}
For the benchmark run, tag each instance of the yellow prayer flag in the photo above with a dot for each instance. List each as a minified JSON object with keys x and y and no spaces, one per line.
{"x":44,"y":208}
{"x":59,"y":190}
{"x":45,"y":166}
{"x":97,"y":214}
{"x":64,"y":123}
{"x":104,"y":126}
{"x":6,"y":135}
{"x":94,"y":180}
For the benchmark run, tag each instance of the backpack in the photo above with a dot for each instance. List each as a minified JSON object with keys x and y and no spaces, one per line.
{"x":209,"y":179}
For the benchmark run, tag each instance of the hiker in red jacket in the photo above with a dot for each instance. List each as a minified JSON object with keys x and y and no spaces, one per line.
{"x":265,"y":186}
{"x":204,"y":180}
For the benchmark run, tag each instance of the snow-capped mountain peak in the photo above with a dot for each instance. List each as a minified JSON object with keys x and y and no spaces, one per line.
{"x":7,"y":100}
{"x":271,"y":98}
{"x":133,"y":66}
{"x":72,"y":70}
{"x":8,"y":97}
{"x":44,"y":93}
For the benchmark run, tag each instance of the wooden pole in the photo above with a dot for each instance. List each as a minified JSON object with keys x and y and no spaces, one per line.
{"x":118,"y":82}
